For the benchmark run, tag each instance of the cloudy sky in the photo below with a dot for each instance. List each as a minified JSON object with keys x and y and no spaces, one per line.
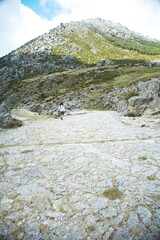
{"x":23,"y":20}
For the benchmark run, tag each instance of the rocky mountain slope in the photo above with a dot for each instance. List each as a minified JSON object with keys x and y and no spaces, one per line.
{"x":79,"y":63}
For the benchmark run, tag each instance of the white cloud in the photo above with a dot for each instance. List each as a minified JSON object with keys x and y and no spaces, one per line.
{"x":20,"y":24}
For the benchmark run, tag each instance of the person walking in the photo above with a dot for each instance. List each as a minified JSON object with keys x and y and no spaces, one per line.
{"x":61,"y":110}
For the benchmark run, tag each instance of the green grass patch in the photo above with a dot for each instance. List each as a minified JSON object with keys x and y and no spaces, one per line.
{"x":32,"y":79}
{"x":37,"y":117}
{"x":91,"y":228}
{"x":42,"y":228}
{"x":113,"y":193}
{"x":151,"y":177}
{"x":129,"y":76}
{"x":62,"y":210}
{"x":26,"y":151}
{"x":17,"y":169}
{"x":2,"y":145}
{"x":142,"y":158}
{"x":130,"y":94}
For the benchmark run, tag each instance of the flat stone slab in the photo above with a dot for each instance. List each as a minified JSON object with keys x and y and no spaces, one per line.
{"x":94,"y":175}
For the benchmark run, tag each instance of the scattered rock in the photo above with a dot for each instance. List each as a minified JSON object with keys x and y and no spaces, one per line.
{"x":133,"y":221}
{"x":110,"y":212}
{"x":122,"y":234}
{"x":99,"y":204}
{"x":144,"y":215}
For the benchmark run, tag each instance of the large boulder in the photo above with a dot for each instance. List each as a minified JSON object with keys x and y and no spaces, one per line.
{"x":148,"y":99}
{"x":137,"y":106}
{"x":6,"y":120}
{"x":122,"y":106}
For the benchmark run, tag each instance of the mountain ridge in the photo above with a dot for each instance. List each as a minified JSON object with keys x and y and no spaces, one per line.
{"x":98,"y":24}
{"x":77,"y":60}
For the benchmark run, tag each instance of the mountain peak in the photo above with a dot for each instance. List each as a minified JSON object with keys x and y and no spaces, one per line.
{"x":75,"y":45}
{"x":66,"y":36}
{"x":89,"y":54}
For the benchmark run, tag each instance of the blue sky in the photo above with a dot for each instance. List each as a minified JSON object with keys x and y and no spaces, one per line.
{"x":48,"y":9}
{"x":23,"y":20}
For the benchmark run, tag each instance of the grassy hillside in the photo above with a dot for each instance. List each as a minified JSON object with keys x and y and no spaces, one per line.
{"x":70,"y":62}
{"x":88,"y":84}
{"x":91,"y":48}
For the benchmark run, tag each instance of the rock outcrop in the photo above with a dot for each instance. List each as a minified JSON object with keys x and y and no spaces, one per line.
{"x":6,"y":120}
{"x":140,"y":98}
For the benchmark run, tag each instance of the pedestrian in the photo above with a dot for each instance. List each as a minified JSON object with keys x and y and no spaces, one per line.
{"x":61,"y":110}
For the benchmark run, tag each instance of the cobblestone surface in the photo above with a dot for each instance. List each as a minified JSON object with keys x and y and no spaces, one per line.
{"x":94,"y":175}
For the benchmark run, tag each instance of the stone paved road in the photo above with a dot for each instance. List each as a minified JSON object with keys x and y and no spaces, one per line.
{"x":94,"y":175}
